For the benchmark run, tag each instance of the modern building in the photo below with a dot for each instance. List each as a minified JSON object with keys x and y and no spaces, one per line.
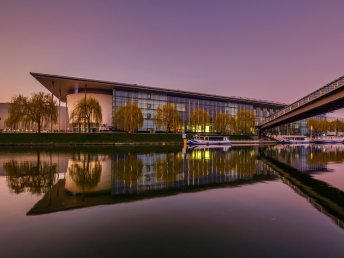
{"x":112,"y":95}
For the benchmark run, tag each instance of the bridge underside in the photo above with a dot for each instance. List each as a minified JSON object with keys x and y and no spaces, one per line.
{"x":325,"y":104}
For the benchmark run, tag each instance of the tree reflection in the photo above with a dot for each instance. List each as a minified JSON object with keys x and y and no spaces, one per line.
{"x":128,"y":168}
{"x":36,"y":177}
{"x":135,"y":172}
{"x":325,"y":154}
{"x":85,"y":171}
{"x":168,"y":167}
{"x":239,"y":162}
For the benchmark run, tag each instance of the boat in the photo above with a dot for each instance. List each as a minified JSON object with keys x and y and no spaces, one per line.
{"x":328,"y":140}
{"x":209,"y":140}
{"x":293,"y":139}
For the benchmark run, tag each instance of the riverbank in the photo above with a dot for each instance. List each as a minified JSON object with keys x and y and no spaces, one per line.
{"x":101,"y":139}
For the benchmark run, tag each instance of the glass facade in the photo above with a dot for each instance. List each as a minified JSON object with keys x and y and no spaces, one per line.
{"x":149,"y":101}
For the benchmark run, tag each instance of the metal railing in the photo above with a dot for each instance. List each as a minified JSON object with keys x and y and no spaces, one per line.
{"x":305,"y":100}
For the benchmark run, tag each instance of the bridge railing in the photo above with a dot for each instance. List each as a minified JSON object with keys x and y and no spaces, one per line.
{"x":310,"y":97}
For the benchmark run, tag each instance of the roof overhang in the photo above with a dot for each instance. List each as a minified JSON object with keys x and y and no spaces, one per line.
{"x":61,"y":86}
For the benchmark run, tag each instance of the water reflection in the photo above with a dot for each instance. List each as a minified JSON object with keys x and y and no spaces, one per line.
{"x":142,"y":172}
{"x":126,"y":176}
{"x":320,"y":154}
{"x":85,"y":173}
{"x":35,"y":176}
{"x":290,"y":163}
{"x":297,"y":156}
{"x":91,"y":178}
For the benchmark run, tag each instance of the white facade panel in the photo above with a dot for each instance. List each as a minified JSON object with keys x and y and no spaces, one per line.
{"x":104,"y":100}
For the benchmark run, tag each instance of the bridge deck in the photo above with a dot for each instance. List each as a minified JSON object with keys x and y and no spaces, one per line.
{"x":329,"y":89}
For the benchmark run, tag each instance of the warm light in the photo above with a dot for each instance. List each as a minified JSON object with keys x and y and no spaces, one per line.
{"x":207,"y":129}
{"x":207,"y":154}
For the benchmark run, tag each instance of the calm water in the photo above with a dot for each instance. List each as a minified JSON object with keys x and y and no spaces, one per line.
{"x":271,"y":201}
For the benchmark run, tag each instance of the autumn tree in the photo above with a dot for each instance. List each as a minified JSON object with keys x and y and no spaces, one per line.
{"x":128,"y":117}
{"x":35,"y":112}
{"x":199,"y":118}
{"x":319,"y":126}
{"x":245,"y":121}
{"x":167,"y":117}
{"x":224,"y":123}
{"x":87,"y":112}
{"x":312,"y":125}
{"x":337,"y":125}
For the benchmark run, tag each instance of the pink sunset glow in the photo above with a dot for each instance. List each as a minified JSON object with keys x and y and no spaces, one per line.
{"x":272,"y":50}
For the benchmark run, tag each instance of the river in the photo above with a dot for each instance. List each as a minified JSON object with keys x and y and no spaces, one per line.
{"x":271,"y":201}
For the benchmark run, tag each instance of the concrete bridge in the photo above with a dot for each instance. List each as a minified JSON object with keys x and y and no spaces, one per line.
{"x":326,"y":99}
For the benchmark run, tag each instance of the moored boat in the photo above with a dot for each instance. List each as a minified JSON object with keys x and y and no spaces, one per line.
{"x":293,"y":139}
{"x":210,"y":140}
{"x":328,"y":140}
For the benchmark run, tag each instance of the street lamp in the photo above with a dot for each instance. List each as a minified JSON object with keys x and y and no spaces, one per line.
{"x":311,"y":130}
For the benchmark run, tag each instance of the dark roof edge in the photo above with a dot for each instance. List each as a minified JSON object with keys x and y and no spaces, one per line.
{"x":137,"y":86}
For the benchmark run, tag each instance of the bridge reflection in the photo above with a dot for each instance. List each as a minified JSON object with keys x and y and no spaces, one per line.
{"x":327,"y":199}
{"x":114,"y":177}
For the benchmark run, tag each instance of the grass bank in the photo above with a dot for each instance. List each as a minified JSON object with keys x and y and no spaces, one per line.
{"x":95,"y":138}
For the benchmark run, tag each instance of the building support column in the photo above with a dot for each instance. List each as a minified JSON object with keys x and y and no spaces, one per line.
{"x":67,"y":117}
{"x":85,"y":122}
{"x":59,"y":114}
{"x":52,"y":102}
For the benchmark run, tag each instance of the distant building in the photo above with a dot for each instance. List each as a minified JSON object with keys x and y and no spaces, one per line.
{"x":3,"y":114}
{"x":61,"y":124}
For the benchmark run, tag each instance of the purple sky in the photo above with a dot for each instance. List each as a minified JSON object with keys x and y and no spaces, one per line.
{"x":274,"y":50}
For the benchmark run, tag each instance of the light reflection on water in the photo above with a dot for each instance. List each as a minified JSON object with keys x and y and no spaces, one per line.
{"x":57,"y":181}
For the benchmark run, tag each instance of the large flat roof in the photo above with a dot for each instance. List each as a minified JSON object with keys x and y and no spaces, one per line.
{"x":61,"y":86}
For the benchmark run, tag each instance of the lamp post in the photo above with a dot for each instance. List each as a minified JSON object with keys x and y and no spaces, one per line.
{"x":311,"y":130}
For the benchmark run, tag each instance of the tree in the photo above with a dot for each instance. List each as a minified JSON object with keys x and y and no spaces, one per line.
{"x":87,"y":112}
{"x":320,"y":126}
{"x":199,"y":118}
{"x":313,"y":125}
{"x":129,"y":117}
{"x":224,"y":123}
{"x":337,"y":125}
{"x":245,"y":121}
{"x":167,"y":116}
{"x":37,"y":111}
{"x":17,"y":117}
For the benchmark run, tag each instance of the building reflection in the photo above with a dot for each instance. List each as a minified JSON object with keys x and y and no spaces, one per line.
{"x":137,"y":173}
{"x":298,"y":157}
{"x":86,"y":173}
{"x":93,"y":179}
{"x":122,"y":176}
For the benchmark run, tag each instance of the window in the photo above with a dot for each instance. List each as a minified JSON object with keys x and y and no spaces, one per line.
{"x":149,"y":115}
{"x":149,"y":106}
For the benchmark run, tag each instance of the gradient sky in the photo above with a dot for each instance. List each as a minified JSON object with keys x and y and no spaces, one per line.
{"x":273,"y":50}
